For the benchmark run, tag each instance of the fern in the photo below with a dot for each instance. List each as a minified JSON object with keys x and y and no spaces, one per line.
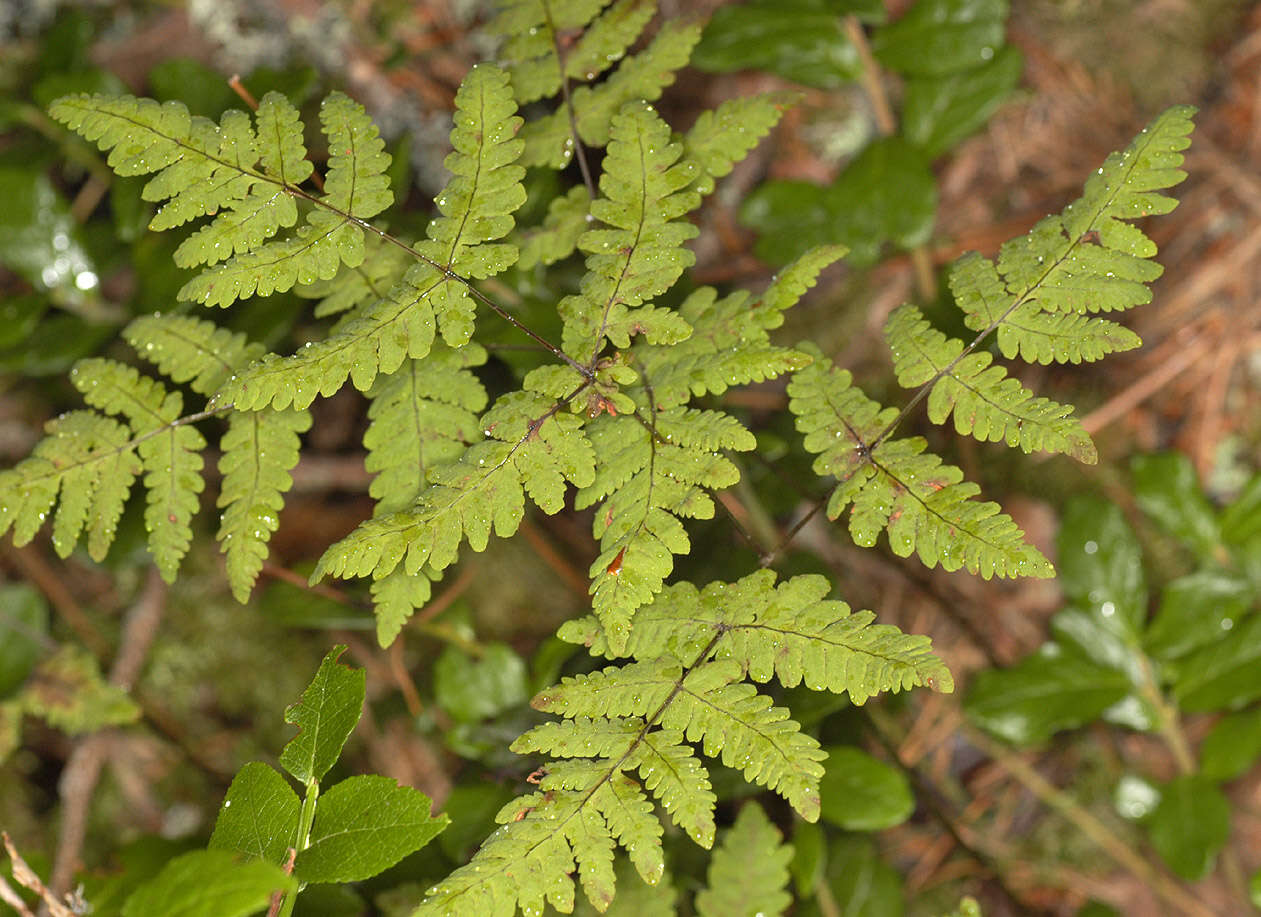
{"x":686,"y":685}
{"x":749,"y":871}
{"x":1035,"y":297}
{"x":537,"y":31}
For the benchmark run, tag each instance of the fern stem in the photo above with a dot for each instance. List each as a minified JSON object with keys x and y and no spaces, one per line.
{"x":580,"y":152}
{"x":584,"y":371}
{"x":773,"y":557}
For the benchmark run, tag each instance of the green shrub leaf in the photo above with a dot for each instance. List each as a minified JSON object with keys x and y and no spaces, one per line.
{"x":327,"y":713}
{"x":209,"y":883}
{"x":259,"y":816}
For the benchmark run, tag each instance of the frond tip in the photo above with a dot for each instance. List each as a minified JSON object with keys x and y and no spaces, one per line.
{"x":894,"y":484}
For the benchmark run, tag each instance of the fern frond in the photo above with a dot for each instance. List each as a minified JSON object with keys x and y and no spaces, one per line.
{"x":648,"y":478}
{"x":357,"y":288}
{"x":1042,"y":292}
{"x":729,"y":344}
{"x":1023,"y":329}
{"x":90,"y":461}
{"x":170,"y":452}
{"x":723,"y":136}
{"x":422,"y":416}
{"x":925,"y":505}
{"x":693,"y":650}
{"x":476,"y":210}
{"x":644,"y":192}
{"x":986,"y":402}
{"x":259,"y":449}
{"x":748,"y":873}
{"x":191,"y":350}
{"x":791,"y":632}
{"x":531,"y":448}
{"x":530,"y":28}
{"x":356,"y":183}
{"x":567,"y":219}
{"x":641,"y":77}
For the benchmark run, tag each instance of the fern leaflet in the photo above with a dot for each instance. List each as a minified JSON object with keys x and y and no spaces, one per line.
{"x":476,"y":210}
{"x":644,"y":194}
{"x":748,"y":873}
{"x":986,"y":402}
{"x":640,"y":719}
{"x":895,"y":485}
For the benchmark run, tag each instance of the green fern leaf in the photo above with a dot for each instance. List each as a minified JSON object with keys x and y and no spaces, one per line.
{"x":353,"y":289}
{"x":986,"y":402}
{"x":86,"y":458}
{"x":422,"y":416}
{"x":532,"y":448}
{"x":649,"y":478}
{"x":790,"y":632}
{"x":258,"y":450}
{"x":723,"y":136}
{"x":748,"y":873}
{"x":895,"y":485}
{"x":641,"y":255}
{"x":170,"y":452}
{"x":530,"y":28}
{"x":607,"y":39}
{"x":729,"y":344}
{"x":476,"y":210}
{"x":1040,"y":294}
{"x":643,"y":76}
{"x":357,"y":162}
{"x":1023,"y":329}
{"x":192,"y":350}
{"x":677,"y":778}
{"x":567,"y":219}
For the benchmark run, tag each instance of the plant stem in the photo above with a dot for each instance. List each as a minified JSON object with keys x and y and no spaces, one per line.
{"x":305,"y":820}
{"x":1103,"y":836}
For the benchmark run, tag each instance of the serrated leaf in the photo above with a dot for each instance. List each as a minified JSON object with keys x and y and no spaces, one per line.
{"x":1232,"y":748}
{"x":327,"y":713}
{"x":940,"y":37}
{"x":748,"y":873}
{"x":1196,"y":610}
{"x":259,"y":816}
{"x":363,"y":826}
{"x":209,"y":883}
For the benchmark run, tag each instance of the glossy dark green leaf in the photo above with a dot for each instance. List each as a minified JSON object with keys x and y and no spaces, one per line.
{"x":55,"y":343}
{"x":860,"y":793}
{"x":1049,"y":690}
{"x":19,"y":317}
{"x":1222,"y":676}
{"x":1198,"y":609}
{"x":862,"y":884}
{"x":40,"y":240}
{"x":471,"y":690}
{"x":939,"y":112}
{"x":23,"y":631}
{"x":471,"y":808}
{"x":810,"y":856}
{"x":327,"y":713}
{"x":801,"y":40}
{"x":1233,"y":746}
{"x":259,"y":815}
{"x":941,"y":37}
{"x":1168,"y":490}
{"x":208,"y":883}
{"x":886,"y":194}
{"x":1241,"y":520}
{"x":363,"y":826}
{"x":1101,"y":563}
{"x":1189,"y":825}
